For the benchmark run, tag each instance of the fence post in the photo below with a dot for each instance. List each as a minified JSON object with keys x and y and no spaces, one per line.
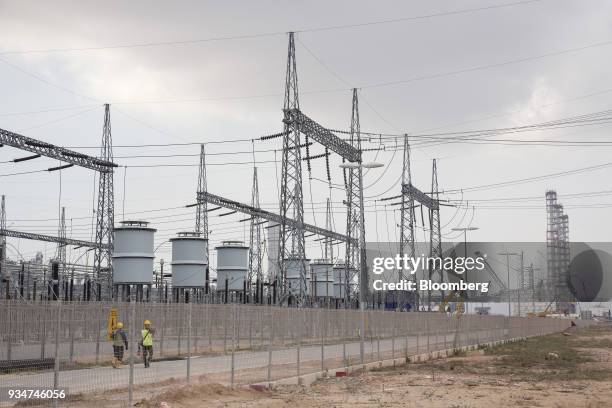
{"x":406,"y":328}
{"x":323,"y":329}
{"x":393,"y":338}
{"x":71,"y":331}
{"x":56,"y":365}
{"x":99,"y":319}
{"x":300,"y":321}
{"x":189,"y":341}
{"x":362,"y":332}
{"x":163,"y":330}
{"x":233,"y":343}
{"x":209,"y":327}
{"x":270,"y":345}
{"x":344,"y":338}
{"x":9,"y":333}
{"x":180,"y":327}
{"x":133,"y":340}
{"x":43,"y":334}
{"x":427,"y":331}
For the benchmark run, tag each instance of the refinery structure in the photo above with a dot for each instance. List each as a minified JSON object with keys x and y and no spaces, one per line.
{"x":272,"y":266}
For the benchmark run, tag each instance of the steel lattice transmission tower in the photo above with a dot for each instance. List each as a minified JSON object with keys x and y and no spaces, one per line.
{"x":255,"y":240}
{"x":355,"y":254}
{"x":406,"y":242}
{"x":435,"y":235}
{"x":291,"y":237}
{"x":201,"y":223}
{"x":105,"y":215}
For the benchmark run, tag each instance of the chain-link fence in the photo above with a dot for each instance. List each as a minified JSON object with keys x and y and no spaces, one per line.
{"x":65,"y":345}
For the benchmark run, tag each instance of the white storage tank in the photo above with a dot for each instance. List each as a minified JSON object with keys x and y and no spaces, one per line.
{"x":189,"y":260}
{"x":322,"y":278}
{"x":232,"y":265}
{"x":293,"y":267}
{"x":133,"y":253}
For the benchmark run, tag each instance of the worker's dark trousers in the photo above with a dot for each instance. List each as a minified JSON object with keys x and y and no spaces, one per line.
{"x":147,"y":355}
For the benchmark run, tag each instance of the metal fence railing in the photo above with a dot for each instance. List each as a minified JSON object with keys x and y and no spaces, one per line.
{"x":64,"y":345}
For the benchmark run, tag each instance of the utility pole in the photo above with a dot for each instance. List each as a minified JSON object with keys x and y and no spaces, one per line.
{"x":291,"y":236}
{"x":355,"y":254}
{"x":105,"y":216}
{"x":201,"y":223}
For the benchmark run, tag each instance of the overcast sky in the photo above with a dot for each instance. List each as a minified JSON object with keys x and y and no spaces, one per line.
{"x":232,"y":89}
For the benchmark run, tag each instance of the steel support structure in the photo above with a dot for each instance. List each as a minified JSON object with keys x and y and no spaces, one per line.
{"x":406,"y":242}
{"x":255,"y":276}
{"x":102,"y":164}
{"x":355,"y":223}
{"x":558,"y":253}
{"x":291,"y":237}
{"x":49,"y":238}
{"x":201,"y":221}
{"x":269,"y":216}
{"x":435,"y":235}
{"x":105,"y":217}
{"x":407,"y":217}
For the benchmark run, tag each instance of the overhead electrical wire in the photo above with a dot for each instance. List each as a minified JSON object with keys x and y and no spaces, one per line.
{"x":270,"y":34}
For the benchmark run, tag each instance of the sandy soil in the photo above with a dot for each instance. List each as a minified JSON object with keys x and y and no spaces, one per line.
{"x":578,"y":373}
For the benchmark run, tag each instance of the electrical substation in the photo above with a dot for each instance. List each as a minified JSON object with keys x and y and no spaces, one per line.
{"x":124,"y":265}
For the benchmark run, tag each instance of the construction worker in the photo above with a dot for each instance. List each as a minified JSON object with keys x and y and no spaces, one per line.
{"x":146,"y":343}
{"x":119,"y":343}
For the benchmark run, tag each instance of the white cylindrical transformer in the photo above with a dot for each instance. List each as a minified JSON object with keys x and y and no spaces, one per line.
{"x":133,"y":253}
{"x":232,"y":265}
{"x":189,"y":260}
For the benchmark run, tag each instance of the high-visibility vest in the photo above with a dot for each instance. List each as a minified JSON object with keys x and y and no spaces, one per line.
{"x":147,"y":337}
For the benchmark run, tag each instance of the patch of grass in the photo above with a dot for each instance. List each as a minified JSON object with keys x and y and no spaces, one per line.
{"x":536,"y":352}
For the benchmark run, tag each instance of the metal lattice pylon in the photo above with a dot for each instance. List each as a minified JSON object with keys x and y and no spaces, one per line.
{"x":406,"y":242}
{"x":105,"y":216}
{"x":201,"y":223}
{"x":435,"y":235}
{"x":255,"y":240}
{"x":291,"y":237}
{"x":355,"y":254}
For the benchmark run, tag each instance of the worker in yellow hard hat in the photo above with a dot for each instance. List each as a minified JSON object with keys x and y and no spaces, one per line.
{"x":146,"y":343}
{"x":120,"y":342}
